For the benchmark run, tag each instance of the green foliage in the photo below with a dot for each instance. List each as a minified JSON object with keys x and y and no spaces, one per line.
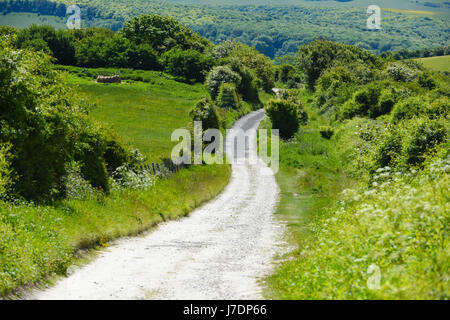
{"x":163,"y":34}
{"x":219,"y":75}
{"x":314,"y":58}
{"x":5,"y":171}
{"x":38,"y":112}
{"x":398,"y":224}
{"x":274,"y":29}
{"x":188,"y":64}
{"x":227,"y":97}
{"x":423,"y":137}
{"x":261,"y":65}
{"x":408,"y":108}
{"x":284,"y":115}
{"x":205,"y":112}
{"x":401,"y":72}
{"x":373,"y":100}
{"x":426,"y":81}
{"x":249,"y":85}
{"x":326,"y":132}
{"x":285,"y":72}
{"x":57,"y":43}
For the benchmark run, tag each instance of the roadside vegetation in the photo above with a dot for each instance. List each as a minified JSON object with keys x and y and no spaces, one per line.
{"x":364,"y":182}
{"x":72,"y":151}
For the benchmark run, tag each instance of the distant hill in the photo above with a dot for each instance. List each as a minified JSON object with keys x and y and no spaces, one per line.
{"x":273,"y":29}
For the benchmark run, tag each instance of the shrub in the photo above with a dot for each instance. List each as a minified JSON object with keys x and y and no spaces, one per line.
{"x":426,"y":81}
{"x":75,"y":186}
{"x":5,"y":171}
{"x":127,"y":177}
{"x":409,"y":108}
{"x":319,"y":55}
{"x":286,"y":72}
{"x":326,"y":132}
{"x":46,"y":125}
{"x":228,"y":98}
{"x":438,"y":108}
{"x":143,"y":57}
{"x":205,"y":112}
{"x":284,"y":116}
{"x":423,"y":136}
{"x":115,"y":155}
{"x":362,"y":102}
{"x":219,"y":75}
{"x":401,"y":72}
{"x":248,"y":87}
{"x":189,"y":64}
{"x":387,"y":149}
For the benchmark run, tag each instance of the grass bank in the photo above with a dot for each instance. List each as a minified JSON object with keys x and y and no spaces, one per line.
{"x":38,"y":241}
{"x":385,"y":239}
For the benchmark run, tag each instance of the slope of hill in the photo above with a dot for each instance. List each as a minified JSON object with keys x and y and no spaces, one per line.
{"x":437,"y":63}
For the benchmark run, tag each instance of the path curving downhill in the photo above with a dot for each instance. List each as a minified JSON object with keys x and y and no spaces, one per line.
{"x":218,"y":252}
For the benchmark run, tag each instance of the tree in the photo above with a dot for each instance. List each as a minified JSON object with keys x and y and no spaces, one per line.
{"x":163,"y":33}
{"x":284,"y":116}
{"x":316,"y":57}
{"x":219,"y":75}
{"x":228,"y":98}
{"x":188,"y":64}
{"x":205,"y":112}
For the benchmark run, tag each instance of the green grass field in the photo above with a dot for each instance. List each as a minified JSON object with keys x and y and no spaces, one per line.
{"x":24,"y":20}
{"x":143,"y":114}
{"x":437,"y":63}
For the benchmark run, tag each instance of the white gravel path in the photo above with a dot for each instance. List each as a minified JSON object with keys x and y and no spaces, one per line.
{"x":218,"y":252}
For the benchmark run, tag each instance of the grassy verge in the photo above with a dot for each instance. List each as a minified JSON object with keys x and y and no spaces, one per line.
{"x":40,"y":240}
{"x":383,"y":240}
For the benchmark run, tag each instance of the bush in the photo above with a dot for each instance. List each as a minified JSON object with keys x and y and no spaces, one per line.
{"x":409,"y":108}
{"x":205,"y":112}
{"x":423,"y":136}
{"x":227,"y":98}
{"x":319,"y":55}
{"x":115,"y":155}
{"x":219,"y":75}
{"x":5,"y":171}
{"x":189,"y":64}
{"x":326,"y":132}
{"x":75,"y":186}
{"x":45,"y":124}
{"x":249,"y":84}
{"x":426,"y":81}
{"x":284,"y":116}
{"x":373,"y":100}
{"x":401,"y":72}
{"x":286,"y":72}
{"x":127,"y":177}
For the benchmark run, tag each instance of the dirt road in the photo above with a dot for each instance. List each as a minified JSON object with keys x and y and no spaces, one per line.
{"x":218,"y":252}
